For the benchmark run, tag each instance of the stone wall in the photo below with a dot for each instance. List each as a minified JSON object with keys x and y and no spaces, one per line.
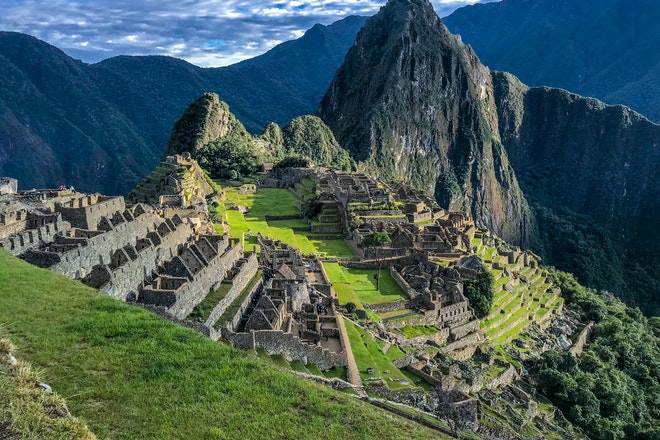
{"x":22,"y":241}
{"x":8,"y":185}
{"x":277,"y":342}
{"x":461,"y":330}
{"x":99,"y":249}
{"x":85,"y":212}
{"x":127,"y":279}
{"x":471,"y":339}
{"x":455,"y":312}
{"x":248,"y":271}
{"x":582,"y":340}
{"x":327,"y":228}
{"x":205,"y":280}
{"x":403,"y":283}
{"x":389,"y":306}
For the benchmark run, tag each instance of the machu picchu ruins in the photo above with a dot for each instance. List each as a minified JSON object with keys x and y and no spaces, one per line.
{"x":161,"y":250}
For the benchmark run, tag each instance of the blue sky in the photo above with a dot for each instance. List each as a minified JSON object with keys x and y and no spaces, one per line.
{"x":203,"y":32}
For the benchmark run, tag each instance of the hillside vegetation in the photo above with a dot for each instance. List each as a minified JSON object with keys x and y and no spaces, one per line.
{"x":612,"y":390}
{"x":130,"y":374}
{"x":561,"y":44}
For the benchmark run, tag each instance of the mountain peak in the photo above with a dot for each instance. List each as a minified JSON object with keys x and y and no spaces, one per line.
{"x":412,"y":102}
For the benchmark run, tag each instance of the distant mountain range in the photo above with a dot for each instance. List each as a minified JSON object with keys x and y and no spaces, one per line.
{"x":104,"y":126}
{"x":608,"y":49}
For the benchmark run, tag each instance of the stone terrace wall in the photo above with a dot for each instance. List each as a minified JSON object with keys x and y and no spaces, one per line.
{"x":248,"y":271}
{"x":582,"y":340}
{"x":100,"y":249}
{"x":389,"y":306}
{"x":205,"y":280}
{"x":127,"y":279}
{"x":277,"y":342}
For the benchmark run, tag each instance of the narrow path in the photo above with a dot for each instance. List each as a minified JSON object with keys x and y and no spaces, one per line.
{"x":352,"y":372}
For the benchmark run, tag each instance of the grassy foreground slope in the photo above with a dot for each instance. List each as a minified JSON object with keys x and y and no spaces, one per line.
{"x":130,"y":374}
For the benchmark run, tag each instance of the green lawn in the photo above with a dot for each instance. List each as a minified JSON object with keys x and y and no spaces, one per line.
{"x":368,"y":354}
{"x":360,"y":284}
{"x":412,"y":331}
{"x":130,"y":374}
{"x":275,"y":202}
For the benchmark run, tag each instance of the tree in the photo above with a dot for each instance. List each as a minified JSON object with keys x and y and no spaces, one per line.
{"x":376,"y":240}
{"x":480,"y":293}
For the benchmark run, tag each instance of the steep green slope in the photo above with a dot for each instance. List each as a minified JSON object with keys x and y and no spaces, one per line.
{"x":592,"y":175}
{"x":602,"y":48}
{"x":54,"y":111}
{"x":611,"y":390}
{"x":130,"y":374}
{"x":308,"y":136}
{"x":414,"y":103}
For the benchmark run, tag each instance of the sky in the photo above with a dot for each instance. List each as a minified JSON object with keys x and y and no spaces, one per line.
{"x":208,"y":33}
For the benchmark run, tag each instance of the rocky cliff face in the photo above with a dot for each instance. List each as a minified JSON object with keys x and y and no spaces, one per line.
{"x":413,"y":102}
{"x":592,"y":175}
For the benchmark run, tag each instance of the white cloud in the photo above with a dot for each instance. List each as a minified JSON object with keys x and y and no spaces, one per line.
{"x":204,"y":32}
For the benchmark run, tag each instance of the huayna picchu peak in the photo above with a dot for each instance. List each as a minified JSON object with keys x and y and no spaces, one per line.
{"x":413,"y":102}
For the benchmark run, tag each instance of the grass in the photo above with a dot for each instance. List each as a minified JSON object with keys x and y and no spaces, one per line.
{"x":412,"y":331}
{"x":202,"y":310}
{"x":262,"y":204}
{"x":360,"y":284}
{"x":130,"y":374}
{"x":368,"y":354}
{"x":28,"y":411}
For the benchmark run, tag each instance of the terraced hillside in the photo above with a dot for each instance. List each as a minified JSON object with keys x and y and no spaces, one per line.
{"x":523,"y":295}
{"x":174,"y":176}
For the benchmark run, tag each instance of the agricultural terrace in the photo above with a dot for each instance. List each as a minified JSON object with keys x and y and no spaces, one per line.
{"x":523,"y":295}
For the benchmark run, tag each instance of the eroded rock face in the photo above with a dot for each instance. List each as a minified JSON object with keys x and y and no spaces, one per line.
{"x":591,"y":173}
{"x":412,"y":102}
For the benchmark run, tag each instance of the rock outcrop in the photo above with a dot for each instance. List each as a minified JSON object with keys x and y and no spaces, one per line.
{"x":414,"y":103}
{"x":205,"y":120}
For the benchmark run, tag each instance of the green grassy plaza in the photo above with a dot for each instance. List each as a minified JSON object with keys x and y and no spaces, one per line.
{"x":275,"y":202}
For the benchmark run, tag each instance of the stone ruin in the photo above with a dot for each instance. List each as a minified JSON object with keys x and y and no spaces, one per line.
{"x":293,"y":314}
{"x":8,"y":186}
{"x":132,"y":253}
{"x":437,"y":294}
